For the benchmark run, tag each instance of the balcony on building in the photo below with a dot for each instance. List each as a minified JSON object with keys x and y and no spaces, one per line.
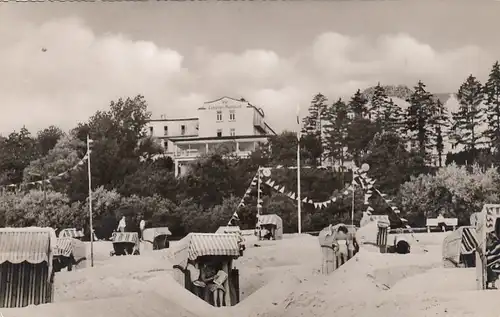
{"x":241,"y":146}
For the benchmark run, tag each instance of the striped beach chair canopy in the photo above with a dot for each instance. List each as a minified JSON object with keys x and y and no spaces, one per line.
{"x":463,"y":240}
{"x":71,"y":233}
{"x":125,"y":237}
{"x":150,"y":234}
{"x":64,"y":247}
{"x":229,"y":229}
{"x":32,"y":244}
{"x":195,"y":245}
{"x":273,"y":219}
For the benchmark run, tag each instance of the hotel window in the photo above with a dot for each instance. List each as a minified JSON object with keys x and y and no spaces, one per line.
{"x":183,"y":129}
{"x":219,"y":133}
{"x":165,"y":130}
{"x":151,"y":130}
{"x":233,"y":131}
{"x":219,"y":115}
{"x":165,"y":145}
{"x":232,"y":115}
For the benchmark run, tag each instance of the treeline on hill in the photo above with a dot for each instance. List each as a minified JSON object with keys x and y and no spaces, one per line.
{"x":129,"y":179}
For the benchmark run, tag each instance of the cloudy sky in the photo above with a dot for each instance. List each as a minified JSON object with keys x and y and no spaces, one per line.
{"x":274,"y":54}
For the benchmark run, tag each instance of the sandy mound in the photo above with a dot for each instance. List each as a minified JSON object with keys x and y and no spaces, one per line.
{"x":300,"y":293}
{"x":144,"y":305}
{"x":263,"y":264}
{"x":277,"y":279}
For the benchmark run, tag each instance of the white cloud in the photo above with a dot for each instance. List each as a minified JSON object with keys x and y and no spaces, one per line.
{"x":82,"y":72}
{"x":79,"y":73}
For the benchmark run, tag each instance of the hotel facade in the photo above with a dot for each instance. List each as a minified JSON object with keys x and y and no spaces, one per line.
{"x":235,"y":124}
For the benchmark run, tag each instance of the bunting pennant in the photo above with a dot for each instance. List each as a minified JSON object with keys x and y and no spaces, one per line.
{"x":369,"y":210}
{"x":367,"y":197}
{"x":369,"y":193}
{"x":294,"y":196}
{"x":48,"y":180}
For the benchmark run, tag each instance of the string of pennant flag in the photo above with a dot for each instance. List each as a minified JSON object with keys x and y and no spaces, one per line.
{"x":368,"y":184}
{"x":360,"y":178}
{"x":266,"y":172}
{"x":48,"y":180}
{"x":293,"y":195}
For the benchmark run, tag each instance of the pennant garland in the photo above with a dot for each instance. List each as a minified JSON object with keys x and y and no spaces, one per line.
{"x":394,"y":208}
{"x":253,"y":183}
{"x":19,"y":186}
{"x":292,"y":195}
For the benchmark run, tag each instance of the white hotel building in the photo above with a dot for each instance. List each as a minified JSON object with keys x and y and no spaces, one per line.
{"x":234,"y":123}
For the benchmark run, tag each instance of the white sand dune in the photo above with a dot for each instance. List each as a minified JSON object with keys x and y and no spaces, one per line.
{"x":277,"y":279}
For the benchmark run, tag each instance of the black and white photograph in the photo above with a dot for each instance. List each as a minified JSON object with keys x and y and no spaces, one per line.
{"x":249,"y":158}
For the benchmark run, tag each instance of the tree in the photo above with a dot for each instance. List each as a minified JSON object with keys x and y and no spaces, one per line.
{"x":361,"y":129}
{"x":467,"y":119}
{"x":492,"y":102}
{"x":37,"y":208}
{"x":440,"y":122}
{"x":119,"y":144}
{"x":62,"y":158}
{"x":457,"y":190}
{"x":210,"y":179}
{"x":16,"y":152}
{"x":390,"y":163}
{"x":336,"y":129}
{"x":419,"y":123}
{"x":378,"y":104}
{"x":359,"y":135}
{"x":313,"y":126}
{"x":312,"y":123}
{"x":47,"y":139}
{"x":392,"y":118}
{"x":358,"y":105}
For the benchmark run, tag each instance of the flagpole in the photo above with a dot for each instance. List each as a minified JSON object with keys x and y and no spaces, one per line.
{"x":258,"y":190}
{"x":352,"y":203}
{"x":299,"y":201}
{"x":90,"y":204}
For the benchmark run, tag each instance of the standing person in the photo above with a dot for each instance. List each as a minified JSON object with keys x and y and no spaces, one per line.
{"x":342,"y":247}
{"x":122,"y":225}
{"x":142,"y":226}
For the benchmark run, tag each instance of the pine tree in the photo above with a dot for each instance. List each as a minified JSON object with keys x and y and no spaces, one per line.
{"x":492,"y":102}
{"x":468,"y":117}
{"x":440,"y":122}
{"x":358,"y":105}
{"x":378,"y":103}
{"x":392,"y":118}
{"x":419,"y":122}
{"x":336,"y":125}
{"x":313,"y":122}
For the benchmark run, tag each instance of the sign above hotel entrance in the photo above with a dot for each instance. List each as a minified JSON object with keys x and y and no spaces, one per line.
{"x":225,"y":104}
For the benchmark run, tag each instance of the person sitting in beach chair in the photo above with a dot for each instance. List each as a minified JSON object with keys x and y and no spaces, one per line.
{"x":216,"y":288}
{"x":265,"y":234}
